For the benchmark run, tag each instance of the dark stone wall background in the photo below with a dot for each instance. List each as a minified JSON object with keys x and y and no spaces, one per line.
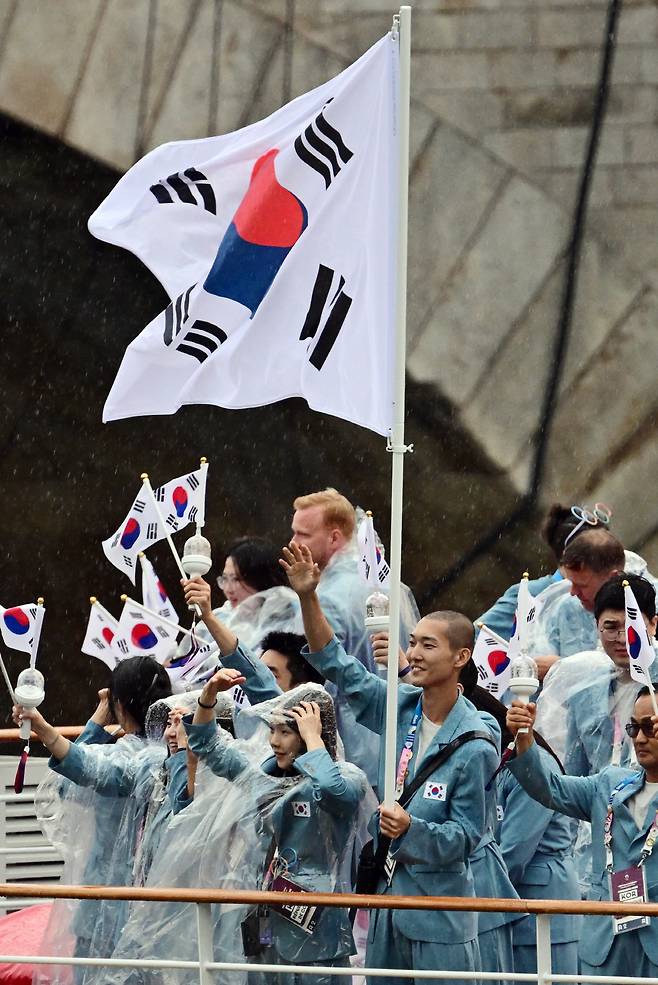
{"x":69,"y":305}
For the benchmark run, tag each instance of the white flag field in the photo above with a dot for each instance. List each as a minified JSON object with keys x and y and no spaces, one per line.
{"x":641,"y":653}
{"x":491,"y":657}
{"x":372,"y":564}
{"x":101,"y":637}
{"x":179,"y":502}
{"x":20,"y":626}
{"x":277,"y":247}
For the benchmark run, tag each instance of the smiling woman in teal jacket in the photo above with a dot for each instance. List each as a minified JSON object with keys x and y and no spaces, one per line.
{"x":308,"y":831}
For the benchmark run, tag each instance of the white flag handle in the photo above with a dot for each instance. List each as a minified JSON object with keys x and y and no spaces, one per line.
{"x":156,"y":506}
{"x":652,"y":693}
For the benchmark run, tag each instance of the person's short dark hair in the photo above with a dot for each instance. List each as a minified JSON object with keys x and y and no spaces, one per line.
{"x":257,"y":563}
{"x":595,"y":549}
{"x":611,"y":595}
{"x":137,"y":682}
{"x":458,"y":628}
{"x":290,"y":645}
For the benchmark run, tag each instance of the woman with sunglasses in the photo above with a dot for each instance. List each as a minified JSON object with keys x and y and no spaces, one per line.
{"x":622,"y":806}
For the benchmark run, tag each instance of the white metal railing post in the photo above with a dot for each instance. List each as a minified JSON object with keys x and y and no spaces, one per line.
{"x":544,"y":969}
{"x":205,"y":936}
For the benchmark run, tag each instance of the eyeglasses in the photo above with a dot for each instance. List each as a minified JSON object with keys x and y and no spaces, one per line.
{"x":601,"y":514}
{"x":634,"y":728}
{"x":225,"y":581}
{"x":612,"y":633}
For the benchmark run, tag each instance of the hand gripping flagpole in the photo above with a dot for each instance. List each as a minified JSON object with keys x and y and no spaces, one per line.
{"x":396,"y":445}
{"x":156,"y":506}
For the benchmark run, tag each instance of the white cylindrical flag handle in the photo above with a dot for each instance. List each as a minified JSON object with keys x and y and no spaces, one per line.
{"x":26,"y":728}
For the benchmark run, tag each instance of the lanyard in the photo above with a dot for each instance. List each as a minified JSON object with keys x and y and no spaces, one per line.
{"x":617,"y":741}
{"x":650,"y":840}
{"x":407,"y":749}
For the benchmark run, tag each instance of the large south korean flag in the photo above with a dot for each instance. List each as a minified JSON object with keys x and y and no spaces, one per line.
{"x":276,"y":245}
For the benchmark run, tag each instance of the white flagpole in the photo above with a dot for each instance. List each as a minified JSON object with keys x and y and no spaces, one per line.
{"x":204,"y":468}
{"x":37,"y":636}
{"x":397,"y":447}
{"x":156,"y":615}
{"x":8,"y":681}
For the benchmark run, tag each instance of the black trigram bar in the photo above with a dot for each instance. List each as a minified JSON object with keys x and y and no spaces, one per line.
{"x":159,"y":494}
{"x":162,"y":632}
{"x":139,"y":506}
{"x":632,"y":613}
{"x":176,"y":314}
{"x":339,"y":306}
{"x":192,"y":515}
{"x":122,"y":645}
{"x":98,"y":643}
{"x":327,"y":149}
{"x":482,"y":673}
{"x":182,"y":184}
{"x":127,"y":560}
{"x":201,"y":340}
{"x":192,"y":482}
{"x":172,"y":522}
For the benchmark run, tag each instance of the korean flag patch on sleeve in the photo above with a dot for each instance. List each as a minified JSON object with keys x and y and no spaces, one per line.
{"x":435,"y":791}
{"x":301,"y":808}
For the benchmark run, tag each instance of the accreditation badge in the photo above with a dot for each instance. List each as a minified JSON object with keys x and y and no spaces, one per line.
{"x":629,"y":886}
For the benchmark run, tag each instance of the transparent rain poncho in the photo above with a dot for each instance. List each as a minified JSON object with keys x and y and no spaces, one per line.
{"x":342,"y":592}
{"x":259,"y":614}
{"x":562,"y":625}
{"x":96,"y":823}
{"x":585,"y":703}
{"x":307,"y":825}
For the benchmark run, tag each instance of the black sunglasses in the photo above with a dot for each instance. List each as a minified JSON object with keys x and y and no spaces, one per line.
{"x":634,"y":728}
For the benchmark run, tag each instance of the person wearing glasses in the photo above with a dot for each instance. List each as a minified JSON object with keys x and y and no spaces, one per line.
{"x":589,"y":696}
{"x":621,"y":803}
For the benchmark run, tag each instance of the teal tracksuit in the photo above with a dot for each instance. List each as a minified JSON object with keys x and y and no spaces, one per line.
{"x":586,"y":798}
{"x":448,"y":821}
{"x":537,"y":846}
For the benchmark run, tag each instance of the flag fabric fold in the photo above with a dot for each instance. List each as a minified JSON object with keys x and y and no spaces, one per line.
{"x":154,"y":594}
{"x":277,"y":247}
{"x":372,"y":564}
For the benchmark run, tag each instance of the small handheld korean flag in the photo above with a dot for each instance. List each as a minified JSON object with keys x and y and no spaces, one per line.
{"x":20,"y":626}
{"x":526,"y":613}
{"x":102,"y":634}
{"x":146,"y":635}
{"x":179,"y":502}
{"x":641,"y":654}
{"x":277,"y":247}
{"x":154,"y":594}
{"x":372,"y":565}
{"x":491,"y":657}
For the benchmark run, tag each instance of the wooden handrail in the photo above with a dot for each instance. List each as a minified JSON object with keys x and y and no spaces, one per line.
{"x":351,"y":900}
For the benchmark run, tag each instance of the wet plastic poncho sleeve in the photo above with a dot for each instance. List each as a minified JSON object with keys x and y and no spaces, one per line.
{"x":109,"y":777}
{"x":213,"y":746}
{"x":365,"y":692}
{"x":260,"y":683}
